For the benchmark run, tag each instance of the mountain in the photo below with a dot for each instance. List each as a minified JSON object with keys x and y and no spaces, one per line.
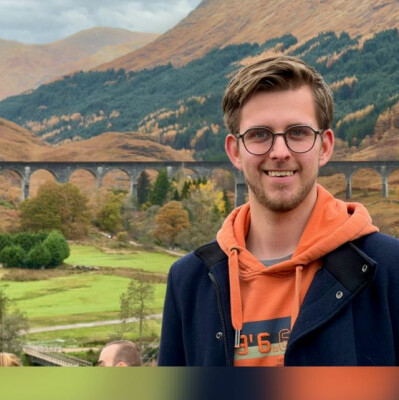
{"x":179,"y":103}
{"x":18,"y":144}
{"x":24,"y":67}
{"x":218,"y":23}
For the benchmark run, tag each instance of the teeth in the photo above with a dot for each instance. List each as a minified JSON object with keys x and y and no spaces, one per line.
{"x":280,"y":173}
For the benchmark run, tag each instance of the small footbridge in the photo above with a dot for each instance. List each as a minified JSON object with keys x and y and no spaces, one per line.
{"x":52,"y":357}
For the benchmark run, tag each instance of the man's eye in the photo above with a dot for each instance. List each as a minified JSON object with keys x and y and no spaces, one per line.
{"x":258,"y":134}
{"x":296,"y":132}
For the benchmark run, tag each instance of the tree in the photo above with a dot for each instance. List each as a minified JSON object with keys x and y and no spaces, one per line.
{"x":171,"y":220}
{"x":12,"y":321}
{"x":227,"y":205}
{"x":144,"y":225}
{"x":56,"y":206}
{"x":135,"y":303}
{"x":176,"y":195}
{"x":109,"y":217}
{"x":160,"y":190}
{"x":206,"y":207}
{"x":143,"y":188}
{"x":185,"y":189}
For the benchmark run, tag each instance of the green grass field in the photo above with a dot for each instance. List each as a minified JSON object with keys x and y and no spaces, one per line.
{"x":66,"y":299}
{"x":144,"y":260}
{"x":85,"y":296}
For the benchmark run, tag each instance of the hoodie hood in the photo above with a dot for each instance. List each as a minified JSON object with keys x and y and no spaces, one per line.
{"x":332,"y":223}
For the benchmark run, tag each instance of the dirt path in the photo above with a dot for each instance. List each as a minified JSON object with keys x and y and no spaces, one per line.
{"x":86,"y":324}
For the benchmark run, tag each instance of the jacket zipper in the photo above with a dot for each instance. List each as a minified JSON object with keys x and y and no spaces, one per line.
{"x":220,"y":310}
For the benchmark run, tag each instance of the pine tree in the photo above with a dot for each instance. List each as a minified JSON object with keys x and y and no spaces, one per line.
{"x":160,"y":190}
{"x":143,"y":188}
{"x":185,"y":189}
{"x":227,"y":205}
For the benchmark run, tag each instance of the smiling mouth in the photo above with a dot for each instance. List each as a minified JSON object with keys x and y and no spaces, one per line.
{"x":279,"y":173}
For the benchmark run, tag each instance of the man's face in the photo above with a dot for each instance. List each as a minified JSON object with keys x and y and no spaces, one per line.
{"x":297,"y":173}
{"x":107,"y":356}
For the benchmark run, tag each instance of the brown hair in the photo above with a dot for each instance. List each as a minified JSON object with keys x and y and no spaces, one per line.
{"x":127,"y":352}
{"x":275,"y":74}
{"x":9,"y":360}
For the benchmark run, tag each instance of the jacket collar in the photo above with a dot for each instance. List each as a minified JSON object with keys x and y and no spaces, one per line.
{"x":346,"y":272}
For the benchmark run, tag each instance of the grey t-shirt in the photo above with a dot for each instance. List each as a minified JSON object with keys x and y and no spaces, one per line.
{"x":269,"y":263}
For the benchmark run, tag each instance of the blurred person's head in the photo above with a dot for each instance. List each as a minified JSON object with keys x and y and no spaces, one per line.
{"x":9,"y":360}
{"x":120,"y":353}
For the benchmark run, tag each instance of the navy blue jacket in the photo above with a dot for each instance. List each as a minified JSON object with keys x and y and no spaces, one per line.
{"x":349,"y":317}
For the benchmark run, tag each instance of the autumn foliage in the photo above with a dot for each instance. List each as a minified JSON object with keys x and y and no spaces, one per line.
{"x":171,"y":220}
{"x":59,"y":207}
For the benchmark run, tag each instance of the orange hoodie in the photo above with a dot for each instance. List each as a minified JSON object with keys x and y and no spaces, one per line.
{"x":265,"y":301}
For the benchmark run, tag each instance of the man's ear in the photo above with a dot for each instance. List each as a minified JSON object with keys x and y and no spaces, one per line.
{"x":121,"y":364}
{"x":231,"y":146}
{"x":327,"y":147}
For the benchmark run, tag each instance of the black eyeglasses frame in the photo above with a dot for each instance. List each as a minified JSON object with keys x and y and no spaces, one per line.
{"x":283,"y":134}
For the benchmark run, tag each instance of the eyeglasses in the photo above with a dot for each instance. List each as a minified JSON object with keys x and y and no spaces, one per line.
{"x":298,"y":138}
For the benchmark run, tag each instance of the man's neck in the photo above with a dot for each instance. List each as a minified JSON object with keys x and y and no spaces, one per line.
{"x":274,"y":235}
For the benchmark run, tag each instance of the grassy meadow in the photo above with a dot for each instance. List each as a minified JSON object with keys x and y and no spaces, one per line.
{"x":69,"y":296}
{"x":143,"y":260}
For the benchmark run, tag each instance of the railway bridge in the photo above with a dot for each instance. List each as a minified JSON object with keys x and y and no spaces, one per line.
{"x":62,"y":171}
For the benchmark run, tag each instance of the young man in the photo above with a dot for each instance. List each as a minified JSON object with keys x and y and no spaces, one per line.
{"x":295,"y":277}
{"x":120,"y":353}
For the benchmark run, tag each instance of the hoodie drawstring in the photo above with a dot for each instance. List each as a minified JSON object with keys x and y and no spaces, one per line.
{"x":235,"y":295}
{"x":297,"y":296}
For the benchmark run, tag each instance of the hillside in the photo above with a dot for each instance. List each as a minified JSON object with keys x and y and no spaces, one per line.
{"x":113,"y":146}
{"x":24,"y":67}
{"x":181,"y":106}
{"x":218,"y":23}
{"x":383,"y":144}
{"x":18,"y":144}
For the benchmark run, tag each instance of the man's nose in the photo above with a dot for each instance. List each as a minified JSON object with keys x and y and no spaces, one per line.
{"x":279,"y":149}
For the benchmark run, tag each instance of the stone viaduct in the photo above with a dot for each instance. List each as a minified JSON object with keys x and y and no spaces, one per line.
{"x":63,"y":170}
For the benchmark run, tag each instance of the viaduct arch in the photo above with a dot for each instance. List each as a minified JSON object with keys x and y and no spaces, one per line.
{"x":63,"y":170}
{"x":348,"y":168}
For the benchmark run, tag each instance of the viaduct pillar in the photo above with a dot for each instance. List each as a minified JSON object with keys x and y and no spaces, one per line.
{"x":348,"y":186}
{"x":240,"y":189}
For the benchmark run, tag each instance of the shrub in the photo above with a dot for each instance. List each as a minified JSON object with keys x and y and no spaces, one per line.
{"x":58,"y":248}
{"x":27,"y":240}
{"x":12,"y":256}
{"x":5,"y":240}
{"x":122,"y":237}
{"x":38,"y":256}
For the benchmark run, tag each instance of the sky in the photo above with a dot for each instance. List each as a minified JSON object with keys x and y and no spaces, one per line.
{"x":45,"y":21}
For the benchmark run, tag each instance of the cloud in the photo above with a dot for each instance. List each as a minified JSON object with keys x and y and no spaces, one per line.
{"x":38,"y":21}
